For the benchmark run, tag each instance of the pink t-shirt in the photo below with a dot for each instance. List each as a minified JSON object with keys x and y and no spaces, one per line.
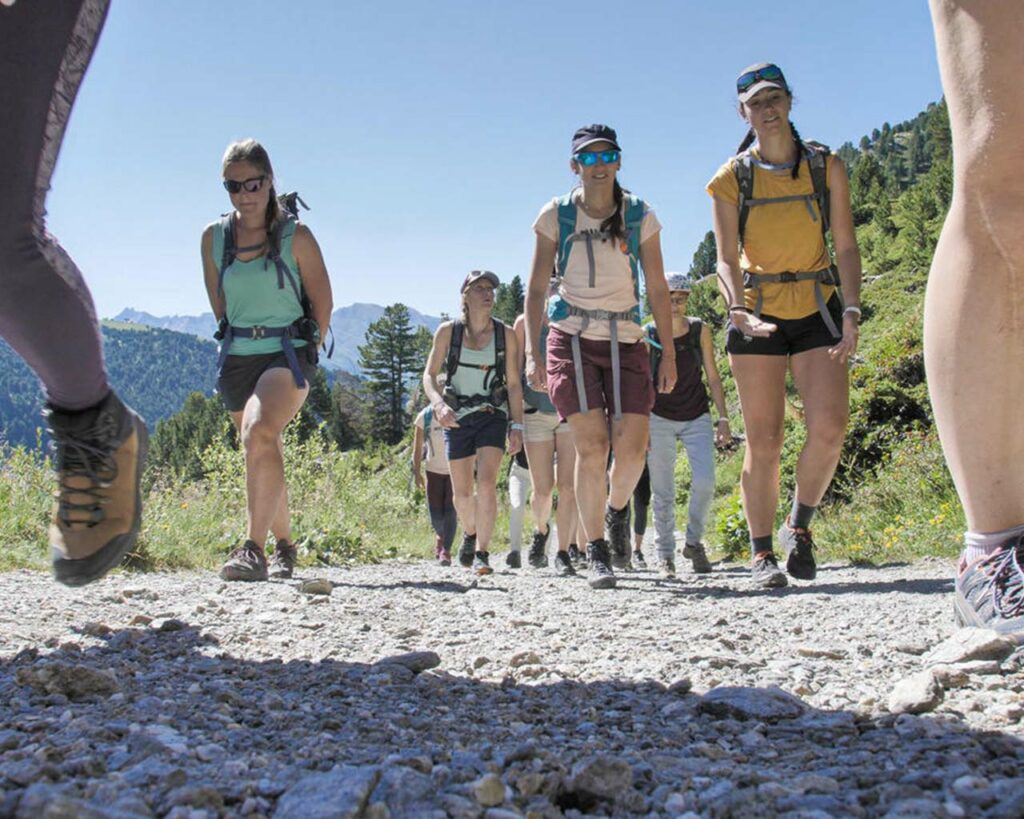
{"x":613,"y":283}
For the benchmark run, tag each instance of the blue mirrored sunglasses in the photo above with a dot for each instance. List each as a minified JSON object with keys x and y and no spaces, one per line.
{"x":250,"y":185}
{"x":588,"y":158}
{"x":771,"y":73}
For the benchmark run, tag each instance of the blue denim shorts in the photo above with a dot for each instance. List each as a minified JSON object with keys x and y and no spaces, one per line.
{"x":476,"y":430}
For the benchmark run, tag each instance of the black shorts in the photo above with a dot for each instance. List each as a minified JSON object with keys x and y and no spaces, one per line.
{"x":237,"y":381}
{"x":475,"y":431}
{"x":792,"y":336}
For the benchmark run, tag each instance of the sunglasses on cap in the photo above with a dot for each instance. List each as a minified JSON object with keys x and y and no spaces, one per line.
{"x":250,"y":185}
{"x":771,"y":73}
{"x":588,"y":158}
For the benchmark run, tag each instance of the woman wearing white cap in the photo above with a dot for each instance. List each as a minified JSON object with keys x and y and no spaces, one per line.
{"x":773,"y":205}
{"x":481,"y":404}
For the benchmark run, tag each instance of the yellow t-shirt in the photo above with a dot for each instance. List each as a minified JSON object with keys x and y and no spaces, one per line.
{"x":779,"y":237}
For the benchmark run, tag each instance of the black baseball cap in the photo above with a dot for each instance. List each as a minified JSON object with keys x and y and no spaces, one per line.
{"x":589,"y":134}
{"x":476,"y":275}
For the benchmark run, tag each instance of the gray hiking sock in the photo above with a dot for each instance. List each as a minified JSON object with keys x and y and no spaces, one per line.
{"x":800,"y":516}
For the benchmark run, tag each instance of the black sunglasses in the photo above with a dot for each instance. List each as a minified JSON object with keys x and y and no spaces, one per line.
{"x":250,"y":185}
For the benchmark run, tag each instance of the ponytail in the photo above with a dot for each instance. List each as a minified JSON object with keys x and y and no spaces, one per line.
{"x":613,"y":224}
{"x":799,"y":150}
{"x":748,"y":140}
{"x":273,"y":210}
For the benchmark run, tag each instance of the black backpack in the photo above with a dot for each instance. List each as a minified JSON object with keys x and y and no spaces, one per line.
{"x":494,"y":379}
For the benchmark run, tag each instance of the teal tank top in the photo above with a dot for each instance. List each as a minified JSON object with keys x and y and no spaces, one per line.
{"x":540,"y":401}
{"x":253,"y":298}
{"x":469,"y":380}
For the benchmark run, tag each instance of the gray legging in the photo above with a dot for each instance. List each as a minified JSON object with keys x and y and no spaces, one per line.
{"x":46,"y":311}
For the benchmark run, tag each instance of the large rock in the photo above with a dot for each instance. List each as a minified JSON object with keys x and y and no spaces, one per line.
{"x":342,"y":793}
{"x":600,"y":777}
{"x":415,"y":661}
{"x":769,"y":704}
{"x":916,"y":694}
{"x":74,"y":681}
{"x":402,"y":791}
{"x":971,"y":644}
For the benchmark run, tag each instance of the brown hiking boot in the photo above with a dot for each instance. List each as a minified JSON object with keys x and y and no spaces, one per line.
{"x":282,"y":561}
{"x":99,"y":454}
{"x":246,"y":562}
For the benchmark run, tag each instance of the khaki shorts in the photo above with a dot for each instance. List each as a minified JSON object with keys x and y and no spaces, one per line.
{"x":542,"y":426}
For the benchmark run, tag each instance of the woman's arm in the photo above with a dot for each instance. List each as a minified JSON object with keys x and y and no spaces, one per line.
{"x":707,"y":352}
{"x":544,"y":252}
{"x":315,"y":281}
{"x":519,"y":328}
{"x":726,"y":219}
{"x":847,"y":257}
{"x":661,"y":307}
{"x":438,"y":352}
{"x":515,"y":391}
{"x":211,"y":274}
{"x":417,"y":453}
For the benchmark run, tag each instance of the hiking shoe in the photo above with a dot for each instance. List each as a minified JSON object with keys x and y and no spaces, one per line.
{"x":766,"y":573}
{"x":600,"y":564}
{"x":247,"y":562}
{"x":575,"y":555}
{"x":990,"y":591}
{"x":466,"y":550}
{"x":98,"y":453}
{"x":514,"y":560}
{"x":482,"y":563}
{"x":638,"y":560}
{"x":444,"y":557}
{"x":563,"y":565}
{"x":799,"y":548}
{"x":617,"y":526}
{"x":667,"y":568}
{"x":282,"y":561}
{"x":694,"y":552}
{"x":538,"y":556}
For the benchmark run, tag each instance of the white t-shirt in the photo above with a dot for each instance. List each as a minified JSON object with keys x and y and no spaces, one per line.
{"x":435,"y":460}
{"x":613,"y":282}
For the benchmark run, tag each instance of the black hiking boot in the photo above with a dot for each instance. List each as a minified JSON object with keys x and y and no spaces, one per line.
{"x":698,"y":557}
{"x":799,"y":548}
{"x":282,"y":561}
{"x":600,"y":565}
{"x":247,"y":562}
{"x":99,"y":453}
{"x":482,"y":563}
{"x":466,"y":550}
{"x":514,"y":560}
{"x":563,"y":565}
{"x":765,"y":571}
{"x":638,"y":560}
{"x":616,"y":523}
{"x":538,"y":556}
{"x":575,"y":555}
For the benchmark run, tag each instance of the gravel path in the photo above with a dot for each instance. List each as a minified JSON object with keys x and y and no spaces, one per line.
{"x":413,"y":690}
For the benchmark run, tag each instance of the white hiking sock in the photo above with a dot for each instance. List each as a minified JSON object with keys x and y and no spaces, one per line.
{"x":981,"y":544}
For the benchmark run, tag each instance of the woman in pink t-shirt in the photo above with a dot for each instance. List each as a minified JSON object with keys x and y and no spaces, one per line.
{"x":597,"y":372}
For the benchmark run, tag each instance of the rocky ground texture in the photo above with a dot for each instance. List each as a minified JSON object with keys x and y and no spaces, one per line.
{"x":411,"y":690}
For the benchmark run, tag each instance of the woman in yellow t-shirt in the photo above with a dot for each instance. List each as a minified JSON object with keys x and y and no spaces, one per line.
{"x":777,"y":277}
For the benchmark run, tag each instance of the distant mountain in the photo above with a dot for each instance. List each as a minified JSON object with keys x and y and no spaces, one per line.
{"x":348,"y":323}
{"x":152,"y":369}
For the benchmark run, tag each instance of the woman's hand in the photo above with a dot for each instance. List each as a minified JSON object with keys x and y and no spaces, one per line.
{"x":723,"y":434}
{"x":667,"y":374}
{"x":515,"y":440}
{"x":417,"y":476}
{"x":445,"y":415}
{"x":536,"y":375}
{"x":750,"y":325}
{"x":847,"y":345}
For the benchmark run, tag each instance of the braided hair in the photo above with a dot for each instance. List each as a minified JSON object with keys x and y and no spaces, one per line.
{"x":748,"y":140}
{"x":613,"y":224}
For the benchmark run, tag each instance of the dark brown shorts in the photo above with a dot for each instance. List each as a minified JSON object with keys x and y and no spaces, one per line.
{"x":237,"y":381}
{"x":637,"y":389}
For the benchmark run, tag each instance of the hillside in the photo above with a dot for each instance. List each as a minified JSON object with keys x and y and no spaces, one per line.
{"x":152,"y":369}
{"x":349,"y":324}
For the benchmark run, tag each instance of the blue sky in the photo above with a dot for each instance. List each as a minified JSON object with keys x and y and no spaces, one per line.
{"x":426,"y":136}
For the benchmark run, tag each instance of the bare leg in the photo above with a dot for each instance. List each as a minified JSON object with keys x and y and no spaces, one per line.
{"x":590,"y":436}
{"x":567,"y":513}
{"x":488,"y":461}
{"x":541,"y":457}
{"x":824,"y":388}
{"x":463,"y":492}
{"x":629,"y":445}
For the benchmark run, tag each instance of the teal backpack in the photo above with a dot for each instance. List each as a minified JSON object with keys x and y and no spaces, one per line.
{"x":692,"y":343}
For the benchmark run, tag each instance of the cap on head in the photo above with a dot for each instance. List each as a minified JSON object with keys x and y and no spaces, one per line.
{"x":589,"y":134}
{"x":679,"y":282}
{"x":476,"y":275}
{"x":759,"y":76}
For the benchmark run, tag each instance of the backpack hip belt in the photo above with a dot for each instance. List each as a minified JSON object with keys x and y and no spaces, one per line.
{"x":286,"y":334}
{"x":826,"y":276}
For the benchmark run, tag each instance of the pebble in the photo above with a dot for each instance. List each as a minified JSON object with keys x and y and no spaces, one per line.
{"x":413,"y":690}
{"x":916,"y":694}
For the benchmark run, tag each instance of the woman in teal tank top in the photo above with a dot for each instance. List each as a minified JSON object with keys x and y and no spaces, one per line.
{"x":260,"y":378}
{"x":481,"y":403}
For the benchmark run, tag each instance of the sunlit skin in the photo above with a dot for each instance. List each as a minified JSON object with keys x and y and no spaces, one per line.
{"x":820,"y":375}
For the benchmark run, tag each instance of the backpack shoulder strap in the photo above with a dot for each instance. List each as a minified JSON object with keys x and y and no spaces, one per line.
{"x":566,"y":229}
{"x":454,"y":350}
{"x":227,"y":255}
{"x":651,"y":333}
{"x":817,"y":159}
{"x":499,"y":351}
{"x":634,"y":217}
{"x":696,"y":331}
{"x":284,"y":229}
{"x":745,"y":180}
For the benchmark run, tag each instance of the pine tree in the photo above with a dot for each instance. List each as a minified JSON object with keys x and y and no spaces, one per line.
{"x":705,"y":258}
{"x":391,"y":359}
{"x":508,"y":300}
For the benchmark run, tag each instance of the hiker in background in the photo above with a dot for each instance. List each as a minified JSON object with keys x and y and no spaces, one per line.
{"x":973,"y":322}
{"x":641,"y":510}
{"x":480,"y":406}
{"x":597,"y":372}
{"x":773,"y":204}
{"x":428,"y":451}
{"x":46,"y":310}
{"x":552,"y":457}
{"x":684,"y":415}
{"x":270,"y":293}
{"x":519,"y":488}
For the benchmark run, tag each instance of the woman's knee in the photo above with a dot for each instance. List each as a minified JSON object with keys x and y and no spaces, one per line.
{"x":764,"y":446}
{"x":828,"y":432}
{"x":258,"y":434}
